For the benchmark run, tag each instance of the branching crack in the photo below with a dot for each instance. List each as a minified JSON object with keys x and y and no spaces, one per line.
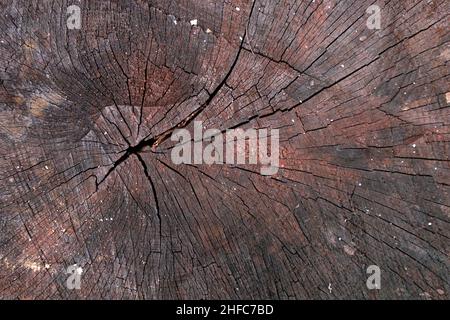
{"x":157,"y":140}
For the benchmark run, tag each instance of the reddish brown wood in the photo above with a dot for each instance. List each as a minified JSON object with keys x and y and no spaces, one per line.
{"x":86,"y":176}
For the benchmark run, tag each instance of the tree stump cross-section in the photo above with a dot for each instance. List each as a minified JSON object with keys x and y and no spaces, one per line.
{"x":88,"y":108}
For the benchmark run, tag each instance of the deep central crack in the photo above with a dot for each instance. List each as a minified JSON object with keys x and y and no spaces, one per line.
{"x":154,"y":142}
{"x":128,"y":152}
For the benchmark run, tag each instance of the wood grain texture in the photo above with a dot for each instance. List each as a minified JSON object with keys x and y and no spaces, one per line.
{"x":86,"y":176}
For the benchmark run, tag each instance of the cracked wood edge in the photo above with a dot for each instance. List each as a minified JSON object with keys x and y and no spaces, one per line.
{"x":86,"y":175}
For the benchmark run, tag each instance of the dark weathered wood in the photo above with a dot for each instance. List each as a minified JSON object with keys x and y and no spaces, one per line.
{"x":85,"y":170}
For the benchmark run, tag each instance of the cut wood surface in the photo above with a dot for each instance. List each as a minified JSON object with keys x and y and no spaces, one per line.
{"x":86,"y":174}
